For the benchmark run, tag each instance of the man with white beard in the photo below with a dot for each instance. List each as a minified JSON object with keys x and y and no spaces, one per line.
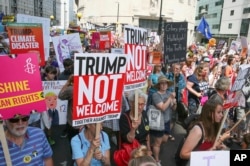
{"x":26,"y":145}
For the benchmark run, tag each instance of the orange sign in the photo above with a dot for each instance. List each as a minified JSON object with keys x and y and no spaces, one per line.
{"x":154,"y":57}
{"x":27,"y":38}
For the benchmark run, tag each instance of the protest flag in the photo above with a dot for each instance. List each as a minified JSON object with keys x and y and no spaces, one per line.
{"x":204,"y":28}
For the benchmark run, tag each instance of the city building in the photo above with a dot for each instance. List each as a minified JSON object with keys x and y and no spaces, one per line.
{"x":235,"y":18}
{"x":115,"y":14}
{"x":61,"y":12}
{"x":227,"y":19}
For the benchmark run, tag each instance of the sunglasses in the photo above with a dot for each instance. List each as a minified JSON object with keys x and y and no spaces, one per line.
{"x":16,"y":120}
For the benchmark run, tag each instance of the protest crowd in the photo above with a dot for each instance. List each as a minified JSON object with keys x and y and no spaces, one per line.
{"x":195,"y":90}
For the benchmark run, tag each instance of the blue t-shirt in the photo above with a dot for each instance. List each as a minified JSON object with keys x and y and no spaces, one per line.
{"x":80,"y":147}
{"x":33,"y":151}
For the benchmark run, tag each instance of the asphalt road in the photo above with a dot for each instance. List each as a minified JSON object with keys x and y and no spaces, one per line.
{"x":62,"y":154}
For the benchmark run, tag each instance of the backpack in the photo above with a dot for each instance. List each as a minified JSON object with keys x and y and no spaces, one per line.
{"x":223,"y":71}
{"x":183,"y":162}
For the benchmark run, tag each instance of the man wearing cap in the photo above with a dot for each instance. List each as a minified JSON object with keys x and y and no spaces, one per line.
{"x":27,"y":145}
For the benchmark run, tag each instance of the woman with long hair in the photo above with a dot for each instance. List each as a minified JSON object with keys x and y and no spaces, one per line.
{"x":197,"y":85}
{"x":206,"y":128}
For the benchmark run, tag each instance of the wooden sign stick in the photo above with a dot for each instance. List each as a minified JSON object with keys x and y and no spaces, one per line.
{"x":136,"y":105}
{"x":4,"y":145}
{"x":236,"y":124}
{"x":221,"y":126}
{"x":97,"y":130}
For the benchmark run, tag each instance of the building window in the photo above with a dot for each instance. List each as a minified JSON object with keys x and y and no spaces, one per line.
{"x":244,"y":27}
{"x":230,"y":26}
{"x":218,"y":3}
{"x":231,"y":12}
{"x":246,"y":10}
{"x":216,"y":26}
{"x":149,"y":24}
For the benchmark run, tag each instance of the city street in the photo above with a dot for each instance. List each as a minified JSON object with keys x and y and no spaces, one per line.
{"x":62,"y":155}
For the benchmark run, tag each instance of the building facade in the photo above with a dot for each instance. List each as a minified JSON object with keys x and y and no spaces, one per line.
{"x":142,"y":13}
{"x":236,"y":18}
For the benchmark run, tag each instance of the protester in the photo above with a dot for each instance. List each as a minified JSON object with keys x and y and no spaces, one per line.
{"x":221,"y":87}
{"x":68,"y":69}
{"x":164,"y":101}
{"x":152,"y":81}
{"x":27,"y":145}
{"x":140,"y":157}
{"x":87,"y":149}
{"x":179,"y":85}
{"x":139,"y":129}
{"x":51,"y":100}
{"x":66,"y":93}
{"x":245,"y":144}
{"x":50,"y":73}
{"x":197,"y":85}
{"x":206,"y":128}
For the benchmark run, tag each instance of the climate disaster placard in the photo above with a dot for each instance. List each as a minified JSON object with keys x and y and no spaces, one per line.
{"x":98,"y":87}
{"x":26,"y":38}
{"x":135,"y":47}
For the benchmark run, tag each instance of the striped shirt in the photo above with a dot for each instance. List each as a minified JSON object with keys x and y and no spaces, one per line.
{"x":34,"y":150}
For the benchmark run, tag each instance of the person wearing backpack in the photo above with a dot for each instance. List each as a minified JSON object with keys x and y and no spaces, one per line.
{"x":202,"y":134}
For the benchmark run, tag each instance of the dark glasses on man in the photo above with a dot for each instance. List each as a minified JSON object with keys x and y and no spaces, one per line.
{"x":16,"y":120}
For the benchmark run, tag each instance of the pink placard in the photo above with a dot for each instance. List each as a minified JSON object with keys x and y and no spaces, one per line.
{"x":20,"y":85}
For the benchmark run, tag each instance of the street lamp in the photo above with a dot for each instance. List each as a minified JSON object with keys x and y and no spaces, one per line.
{"x":117,"y":17}
{"x":160,"y":21}
{"x":51,"y":20}
{"x":79,"y":16}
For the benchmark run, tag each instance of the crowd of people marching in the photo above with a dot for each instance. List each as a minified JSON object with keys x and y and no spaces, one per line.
{"x":200,"y":85}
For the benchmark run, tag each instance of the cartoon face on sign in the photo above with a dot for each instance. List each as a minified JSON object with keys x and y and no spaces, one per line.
{"x":63,"y":49}
{"x":51,"y":100}
{"x":154,"y":115}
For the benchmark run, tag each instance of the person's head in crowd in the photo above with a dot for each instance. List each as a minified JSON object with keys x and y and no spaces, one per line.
{"x":189,"y":61}
{"x":163,"y":83}
{"x":245,"y":144}
{"x":230,"y":60}
{"x":216,"y":70}
{"x":222,"y":85}
{"x":183,"y":68}
{"x":3,"y":49}
{"x":50,"y":73}
{"x":201,"y":71}
{"x":68,"y":66}
{"x":206,"y":60}
{"x":17,"y":126}
{"x":139,"y":157}
{"x":176,"y":68}
{"x":243,"y":60}
{"x":142,"y":100}
{"x":157,"y":68}
{"x":211,"y":116}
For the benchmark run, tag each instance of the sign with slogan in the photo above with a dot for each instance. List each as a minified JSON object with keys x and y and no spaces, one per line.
{"x":235,"y":99}
{"x":175,"y":42}
{"x":65,"y":46}
{"x":242,"y":81}
{"x":244,"y":47}
{"x":210,"y":158}
{"x":26,"y":38}
{"x":98,"y":87}
{"x":56,"y":109}
{"x":105,"y":40}
{"x":20,"y":93}
{"x":155,"y":57}
{"x":24,"y":18}
{"x":219,"y":48}
{"x":135,"y":40}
